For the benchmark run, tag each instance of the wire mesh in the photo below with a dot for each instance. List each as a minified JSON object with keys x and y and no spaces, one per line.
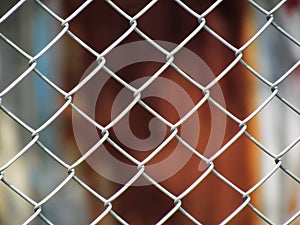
{"x":20,"y":117}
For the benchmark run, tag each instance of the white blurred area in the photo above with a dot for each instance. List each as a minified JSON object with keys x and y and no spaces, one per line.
{"x":280,"y":125}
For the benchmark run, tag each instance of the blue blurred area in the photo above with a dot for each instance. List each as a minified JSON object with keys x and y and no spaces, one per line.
{"x":34,"y":101}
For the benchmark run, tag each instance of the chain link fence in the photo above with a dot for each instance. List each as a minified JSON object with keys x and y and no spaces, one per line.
{"x":41,"y":182}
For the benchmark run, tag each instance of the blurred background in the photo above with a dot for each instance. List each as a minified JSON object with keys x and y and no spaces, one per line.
{"x":31,"y":28}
